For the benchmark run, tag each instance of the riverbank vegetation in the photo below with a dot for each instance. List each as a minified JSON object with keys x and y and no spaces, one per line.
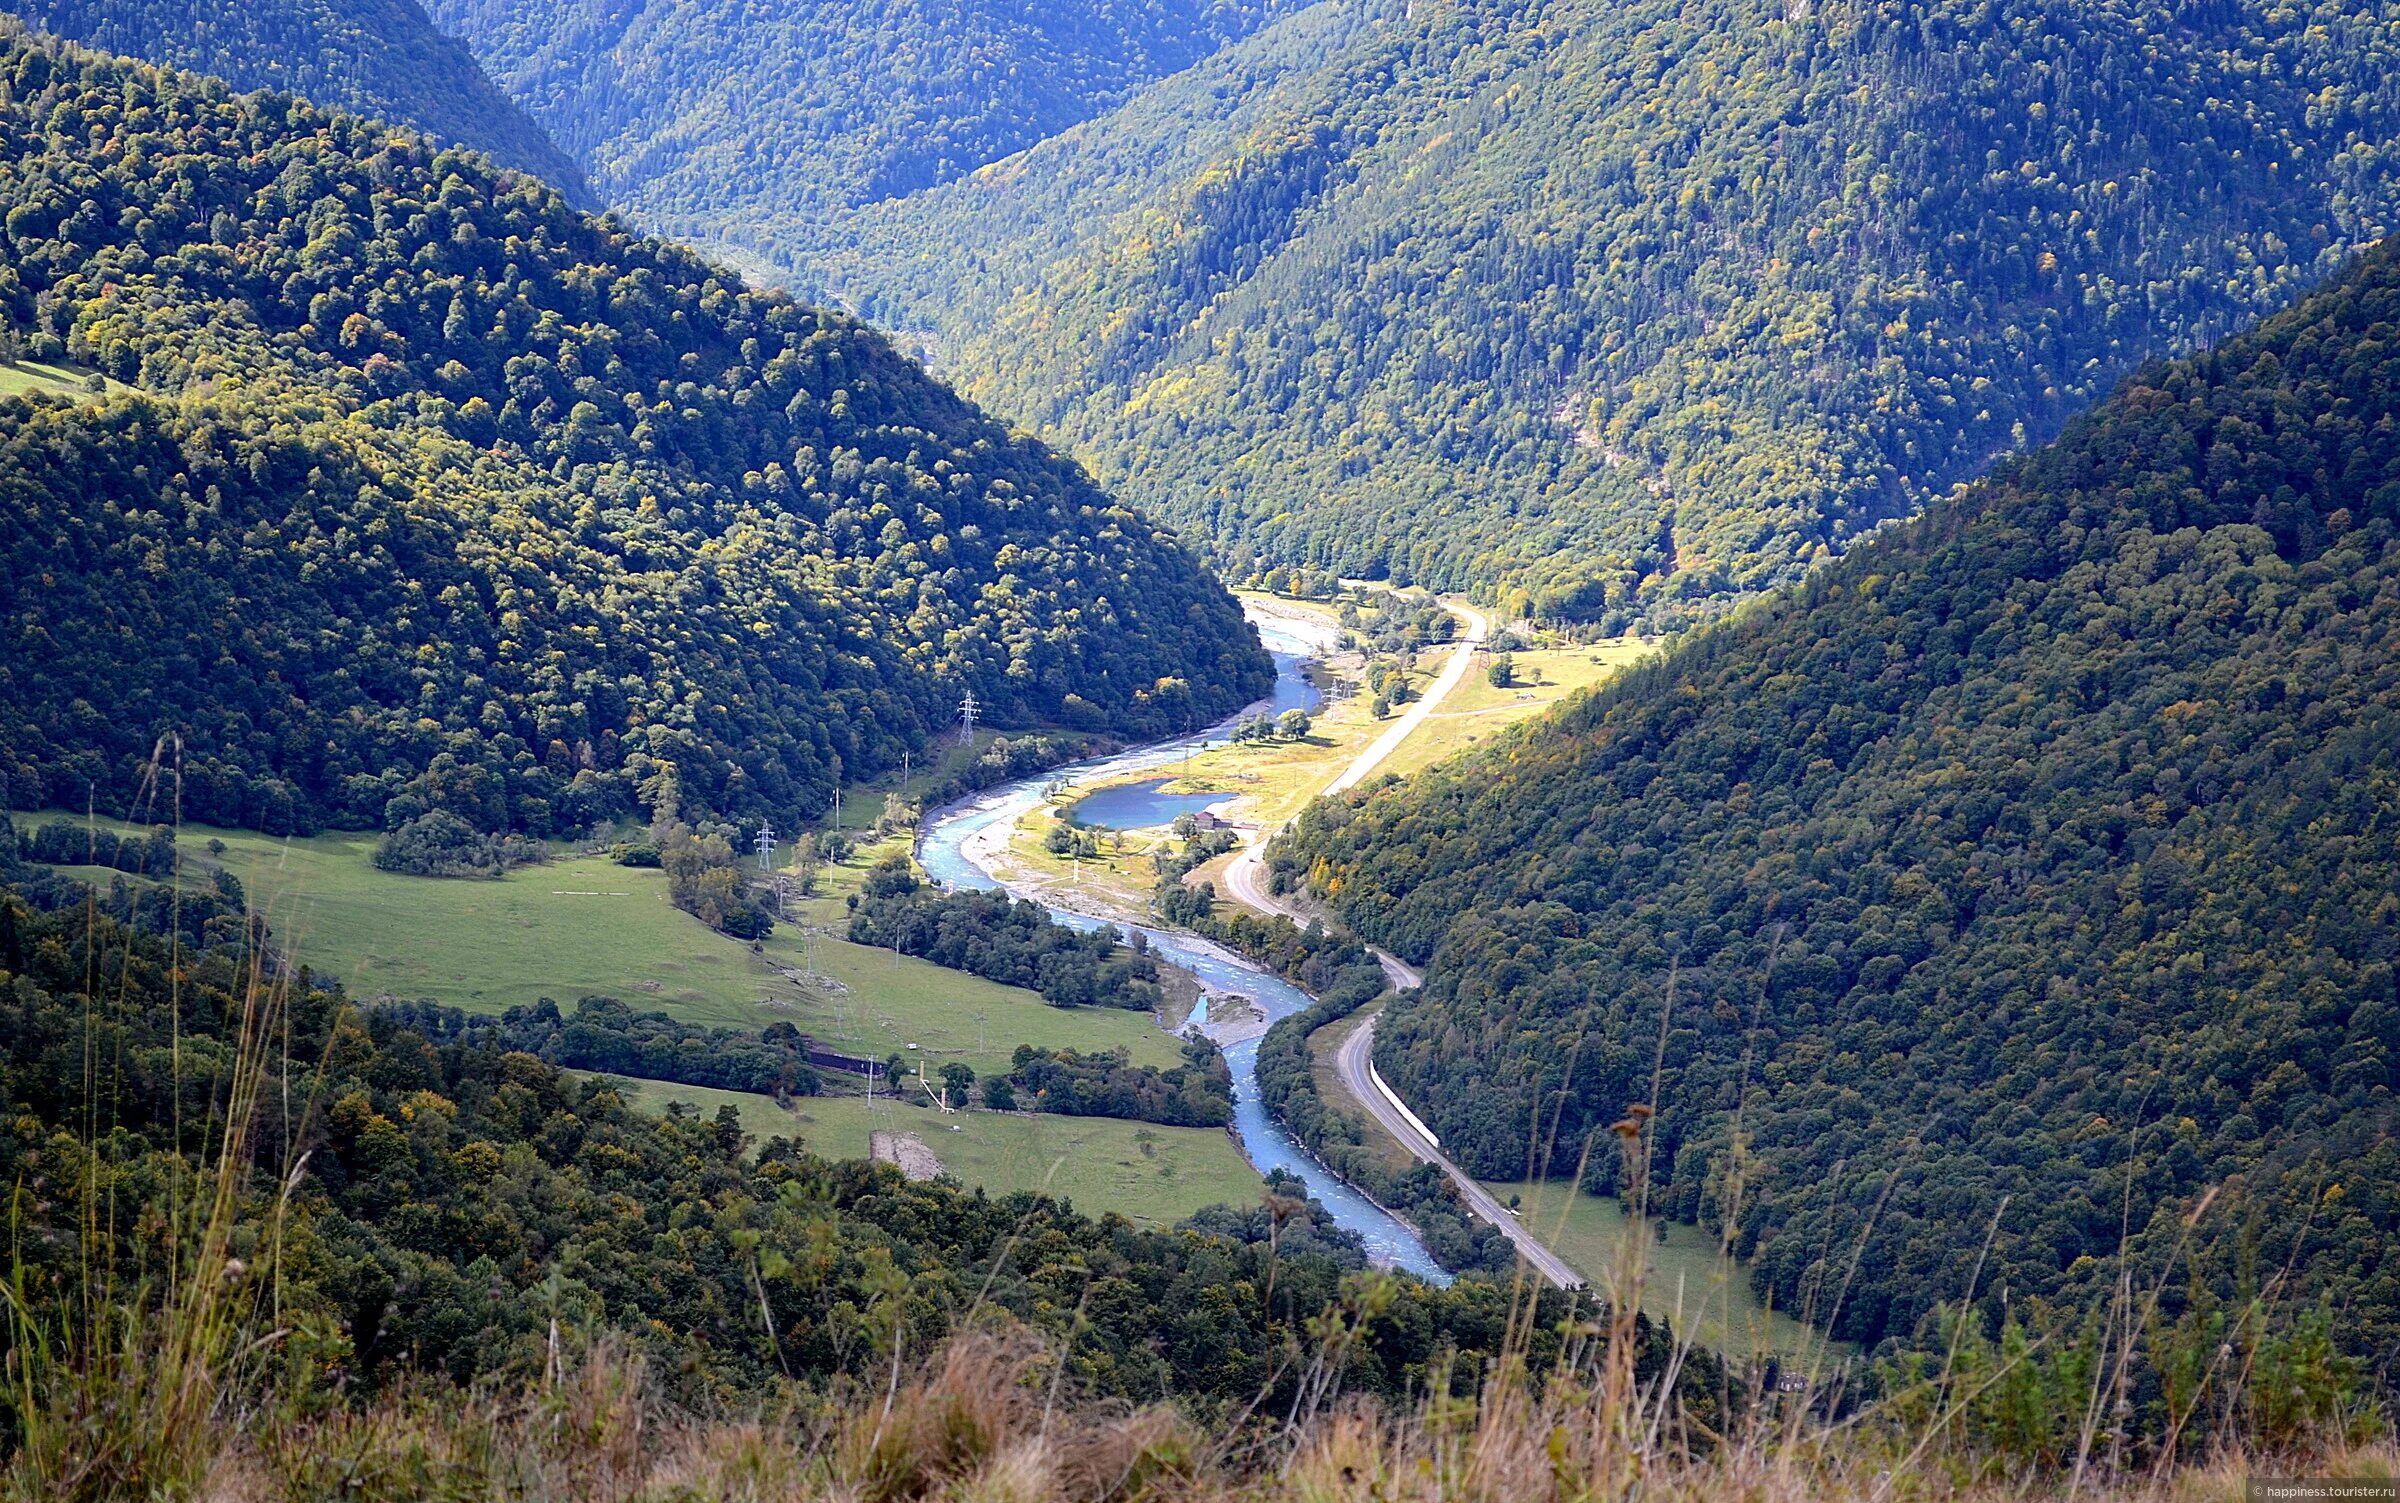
{"x":1003,"y":939}
{"x":1346,"y":1141}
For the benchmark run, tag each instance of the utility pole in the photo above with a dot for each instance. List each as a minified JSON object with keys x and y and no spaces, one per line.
{"x":766,"y":849}
{"x":968,"y":709}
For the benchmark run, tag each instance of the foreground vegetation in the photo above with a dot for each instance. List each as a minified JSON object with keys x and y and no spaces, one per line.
{"x":987,"y":1418}
{"x":401,"y":1206}
{"x":357,"y":1266}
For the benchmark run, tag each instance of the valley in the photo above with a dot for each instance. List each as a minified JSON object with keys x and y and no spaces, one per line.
{"x":1199,"y":751}
{"x":1353,"y":750}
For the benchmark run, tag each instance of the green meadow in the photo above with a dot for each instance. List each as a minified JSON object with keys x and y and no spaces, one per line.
{"x":1687,"y":1279}
{"x":1152,"y":1175}
{"x":582,"y":925}
{"x":54,"y":378}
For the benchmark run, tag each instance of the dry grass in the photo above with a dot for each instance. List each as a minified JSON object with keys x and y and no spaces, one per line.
{"x":982,"y":1421}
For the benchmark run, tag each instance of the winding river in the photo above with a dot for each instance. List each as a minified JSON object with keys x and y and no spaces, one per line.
{"x":946,"y":850}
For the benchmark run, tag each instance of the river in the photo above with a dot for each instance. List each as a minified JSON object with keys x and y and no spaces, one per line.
{"x":944,"y":850}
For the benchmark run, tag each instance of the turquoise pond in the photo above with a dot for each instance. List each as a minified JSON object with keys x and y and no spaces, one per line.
{"x":1137,"y":806}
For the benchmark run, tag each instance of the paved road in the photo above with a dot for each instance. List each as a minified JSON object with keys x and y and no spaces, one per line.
{"x":1462,"y":656}
{"x":1352,"y":1061}
{"x":1245,"y":882}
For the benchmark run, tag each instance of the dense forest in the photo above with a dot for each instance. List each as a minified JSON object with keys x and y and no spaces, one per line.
{"x":437,"y":494}
{"x":1196,"y":1093}
{"x":1612,"y":311}
{"x":2030,"y":871}
{"x":380,"y":58}
{"x":461,"y":1209}
{"x":700,"y":117}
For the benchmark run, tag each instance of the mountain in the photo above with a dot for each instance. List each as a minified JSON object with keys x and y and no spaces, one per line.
{"x":2028,"y":871}
{"x":697,"y":116}
{"x":434,"y":493}
{"x":1617,"y":310}
{"x":381,"y":58}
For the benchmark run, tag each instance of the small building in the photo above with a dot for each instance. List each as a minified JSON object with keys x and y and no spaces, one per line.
{"x":1209,"y":819}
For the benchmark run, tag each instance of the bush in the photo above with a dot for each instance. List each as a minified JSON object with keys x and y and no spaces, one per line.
{"x":63,"y":844}
{"x":440,"y":844}
{"x":705,"y":879}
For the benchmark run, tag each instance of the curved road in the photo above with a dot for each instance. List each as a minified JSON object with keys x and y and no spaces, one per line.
{"x":1353,"y":1061}
{"x":1245,"y":882}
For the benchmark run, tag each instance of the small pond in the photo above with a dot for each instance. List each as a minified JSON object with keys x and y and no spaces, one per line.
{"x":1137,"y":806}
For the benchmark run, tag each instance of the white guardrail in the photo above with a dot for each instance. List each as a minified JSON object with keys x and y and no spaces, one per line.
{"x":1400,"y":1106}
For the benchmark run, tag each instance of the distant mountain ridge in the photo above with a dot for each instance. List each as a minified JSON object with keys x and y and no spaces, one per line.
{"x":1611,"y":311}
{"x":2037,"y":861}
{"x":699,"y":117}
{"x":380,"y":58}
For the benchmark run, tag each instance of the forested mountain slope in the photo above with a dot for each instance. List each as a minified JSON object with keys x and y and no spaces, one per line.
{"x":382,"y":58}
{"x":2045,"y":848}
{"x":1601,"y":307}
{"x":700,"y":116}
{"x":440,"y":491}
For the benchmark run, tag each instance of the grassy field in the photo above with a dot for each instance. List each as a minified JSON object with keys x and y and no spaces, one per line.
{"x":1476,"y":711}
{"x":583,"y":925}
{"x":28,"y":377}
{"x":1152,"y":1175}
{"x":1689,"y":1281}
